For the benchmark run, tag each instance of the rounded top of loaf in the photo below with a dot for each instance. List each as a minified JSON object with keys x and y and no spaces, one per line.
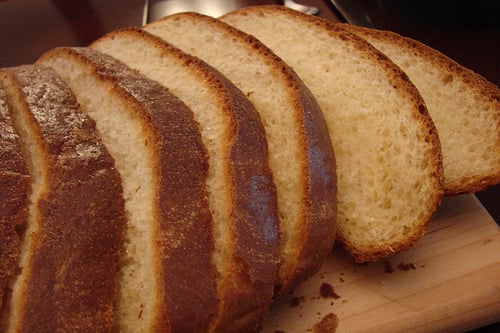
{"x":11,"y":158}
{"x":72,"y":252}
{"x":14,"y":182}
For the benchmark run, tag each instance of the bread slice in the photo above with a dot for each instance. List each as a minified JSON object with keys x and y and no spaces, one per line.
{"x":300,"y":153}
{"x":14,"y":188}
{"x":465,"y":108}
{"x":166,"y":276}
{"x":241,"y":192}
{"x":72,"y":244}
{"x":388,"y":156}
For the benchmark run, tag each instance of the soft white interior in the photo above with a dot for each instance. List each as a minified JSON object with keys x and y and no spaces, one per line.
{"x":466,"y":132}
{"x":383,"y":166}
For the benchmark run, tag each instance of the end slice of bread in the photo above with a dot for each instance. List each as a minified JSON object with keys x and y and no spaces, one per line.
{"x":389,"y":164}
{"x":166,"y":274}
{"x":14,"y":191}
{"x":464,"y":106}
{"x":300,"y":153}
{"x":73,"y":239}
{"x":241,"y":192}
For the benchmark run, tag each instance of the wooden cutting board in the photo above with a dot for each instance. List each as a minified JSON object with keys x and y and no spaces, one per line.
{"x":448,"y":282}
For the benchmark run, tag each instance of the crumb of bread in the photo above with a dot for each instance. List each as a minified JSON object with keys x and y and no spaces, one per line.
{"x":328,"y":324}
{"x":388,"y":267}
{"x":326,"y":291}
{"x":406,"y":267}
{"x":296,"y":301}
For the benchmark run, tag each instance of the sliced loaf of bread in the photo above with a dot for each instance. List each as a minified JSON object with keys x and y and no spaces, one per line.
{"x":300,"y":153}
{"x":14,"y":188}
{"x":389,"y":166}
{"x":166,"y":274}
{"x":72,"y":243}
{"x":464,"y":106}
{"x":241,"y":192}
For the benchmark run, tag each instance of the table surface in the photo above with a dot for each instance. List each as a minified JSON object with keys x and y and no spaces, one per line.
{"x":448,"y":282}
{"x":466,"y":31}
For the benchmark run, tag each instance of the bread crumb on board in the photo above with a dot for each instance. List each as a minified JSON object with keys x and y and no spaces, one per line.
{"x":328,"y":324}
{"x":326,"y":291}
{"x":296,"y":301}
{"x":406,"y":267}
{"x":388,"y":268}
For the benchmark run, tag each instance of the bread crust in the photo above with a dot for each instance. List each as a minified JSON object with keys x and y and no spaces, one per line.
{"x":320,"y":229}
{"x":14,"y":185}
{"x":485,"y":91}
{"x":69,"y":281}
{"x":319,"y":204}
{"x":419,"y":112}
{"x":256,"y":256}
{"x":182,"y":223}
{"x":316,"y":230}
{"x":246,"y":290}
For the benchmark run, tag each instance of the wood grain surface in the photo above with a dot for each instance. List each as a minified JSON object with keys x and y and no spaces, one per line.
{"x":450,"y":281}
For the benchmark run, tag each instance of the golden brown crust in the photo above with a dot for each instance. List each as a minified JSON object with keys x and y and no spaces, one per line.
{"x":256,"y":234}
{"x":70,"y":275}
{"x":318,"y":206}
{"x":14,"y":185}
{"x":247,"y":290}
{"x":485,"y":90}
{"x":183,"y":239}
{"x":256,"y":231}
{"x":320,"y":215}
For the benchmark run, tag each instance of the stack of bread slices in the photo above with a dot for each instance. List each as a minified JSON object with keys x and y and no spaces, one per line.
{"x":180,"y":176}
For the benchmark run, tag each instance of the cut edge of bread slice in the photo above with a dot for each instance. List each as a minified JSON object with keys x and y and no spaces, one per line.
{"x":389,"y":162}
{"x":166,"y":276}
{"x":300,"y":153}
{"x":70,"y":249}
{"x":464,"y":106}
{"x":241,"y":192}
{"x":15,"y":185}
